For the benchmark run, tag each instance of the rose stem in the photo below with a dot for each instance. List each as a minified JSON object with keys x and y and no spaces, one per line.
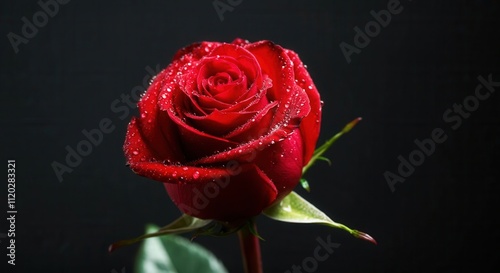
{"x":250,"y":250}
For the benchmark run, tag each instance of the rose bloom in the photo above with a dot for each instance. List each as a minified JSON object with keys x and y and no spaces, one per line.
{"x":227,"y":127}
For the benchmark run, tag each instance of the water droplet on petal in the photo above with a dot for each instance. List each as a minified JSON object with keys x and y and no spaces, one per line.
{"x":185,"y":168}
{"x":135,"y":152}
{"x":196,"y":175}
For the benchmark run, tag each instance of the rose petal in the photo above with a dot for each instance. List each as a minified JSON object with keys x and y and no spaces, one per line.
{"x":247,"y":151}
{"x":147,"y":132}
{"x":283,"y":163}
{"x":239,"y":193}
{"x":310,"y":125}
{"x":139,"y":149}
{"x":195,"y":51}
{"x":219,"y":123}
{"x":190,"y":137}
{"x":231,"y":193}
{"x":294,"y":103}
{"x":255,"y":127}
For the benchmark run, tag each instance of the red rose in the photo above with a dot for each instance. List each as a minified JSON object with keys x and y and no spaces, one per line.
{"x":227,"y":128}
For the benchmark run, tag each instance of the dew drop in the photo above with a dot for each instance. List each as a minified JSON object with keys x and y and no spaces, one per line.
{"x":185,"y":168}
{"x":164,"y":96}
{"x":143,"y":115}
{"x":196,"y":175}
{"x":135,"y":152}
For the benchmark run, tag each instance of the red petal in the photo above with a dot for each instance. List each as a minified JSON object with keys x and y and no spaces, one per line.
{"x":310,"y":125}
{"x":145,"y":139}
{"x":294,"y":103}
{"x":195,"y":51}
{"x":224,"y":194}
{"x":195,"y":143}
{"x":255,"y":127}
{"x":247,"y":151}
{"x":219,"y":123}
{"x":283,"y":163}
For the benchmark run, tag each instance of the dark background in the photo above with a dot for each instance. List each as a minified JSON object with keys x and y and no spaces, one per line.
{"x":441,"y":219}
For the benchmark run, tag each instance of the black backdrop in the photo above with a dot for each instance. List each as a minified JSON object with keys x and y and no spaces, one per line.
{"x":429,"y":57}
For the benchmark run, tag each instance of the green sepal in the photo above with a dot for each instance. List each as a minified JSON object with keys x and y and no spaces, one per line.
{"x":323,"y":148}
{"x":183,"y":224}
{"x":305,"y":184}
{"x":216,"y":229}
{"x":295,"y":209}
{"x":251,"y":228}
{"x":325,"y":159}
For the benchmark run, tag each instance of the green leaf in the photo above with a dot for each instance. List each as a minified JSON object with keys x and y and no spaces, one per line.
{"x":323,"y":148}
{"x":183,"y":224}
{"x":175,"y":254}
{"x":295,"y":209}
